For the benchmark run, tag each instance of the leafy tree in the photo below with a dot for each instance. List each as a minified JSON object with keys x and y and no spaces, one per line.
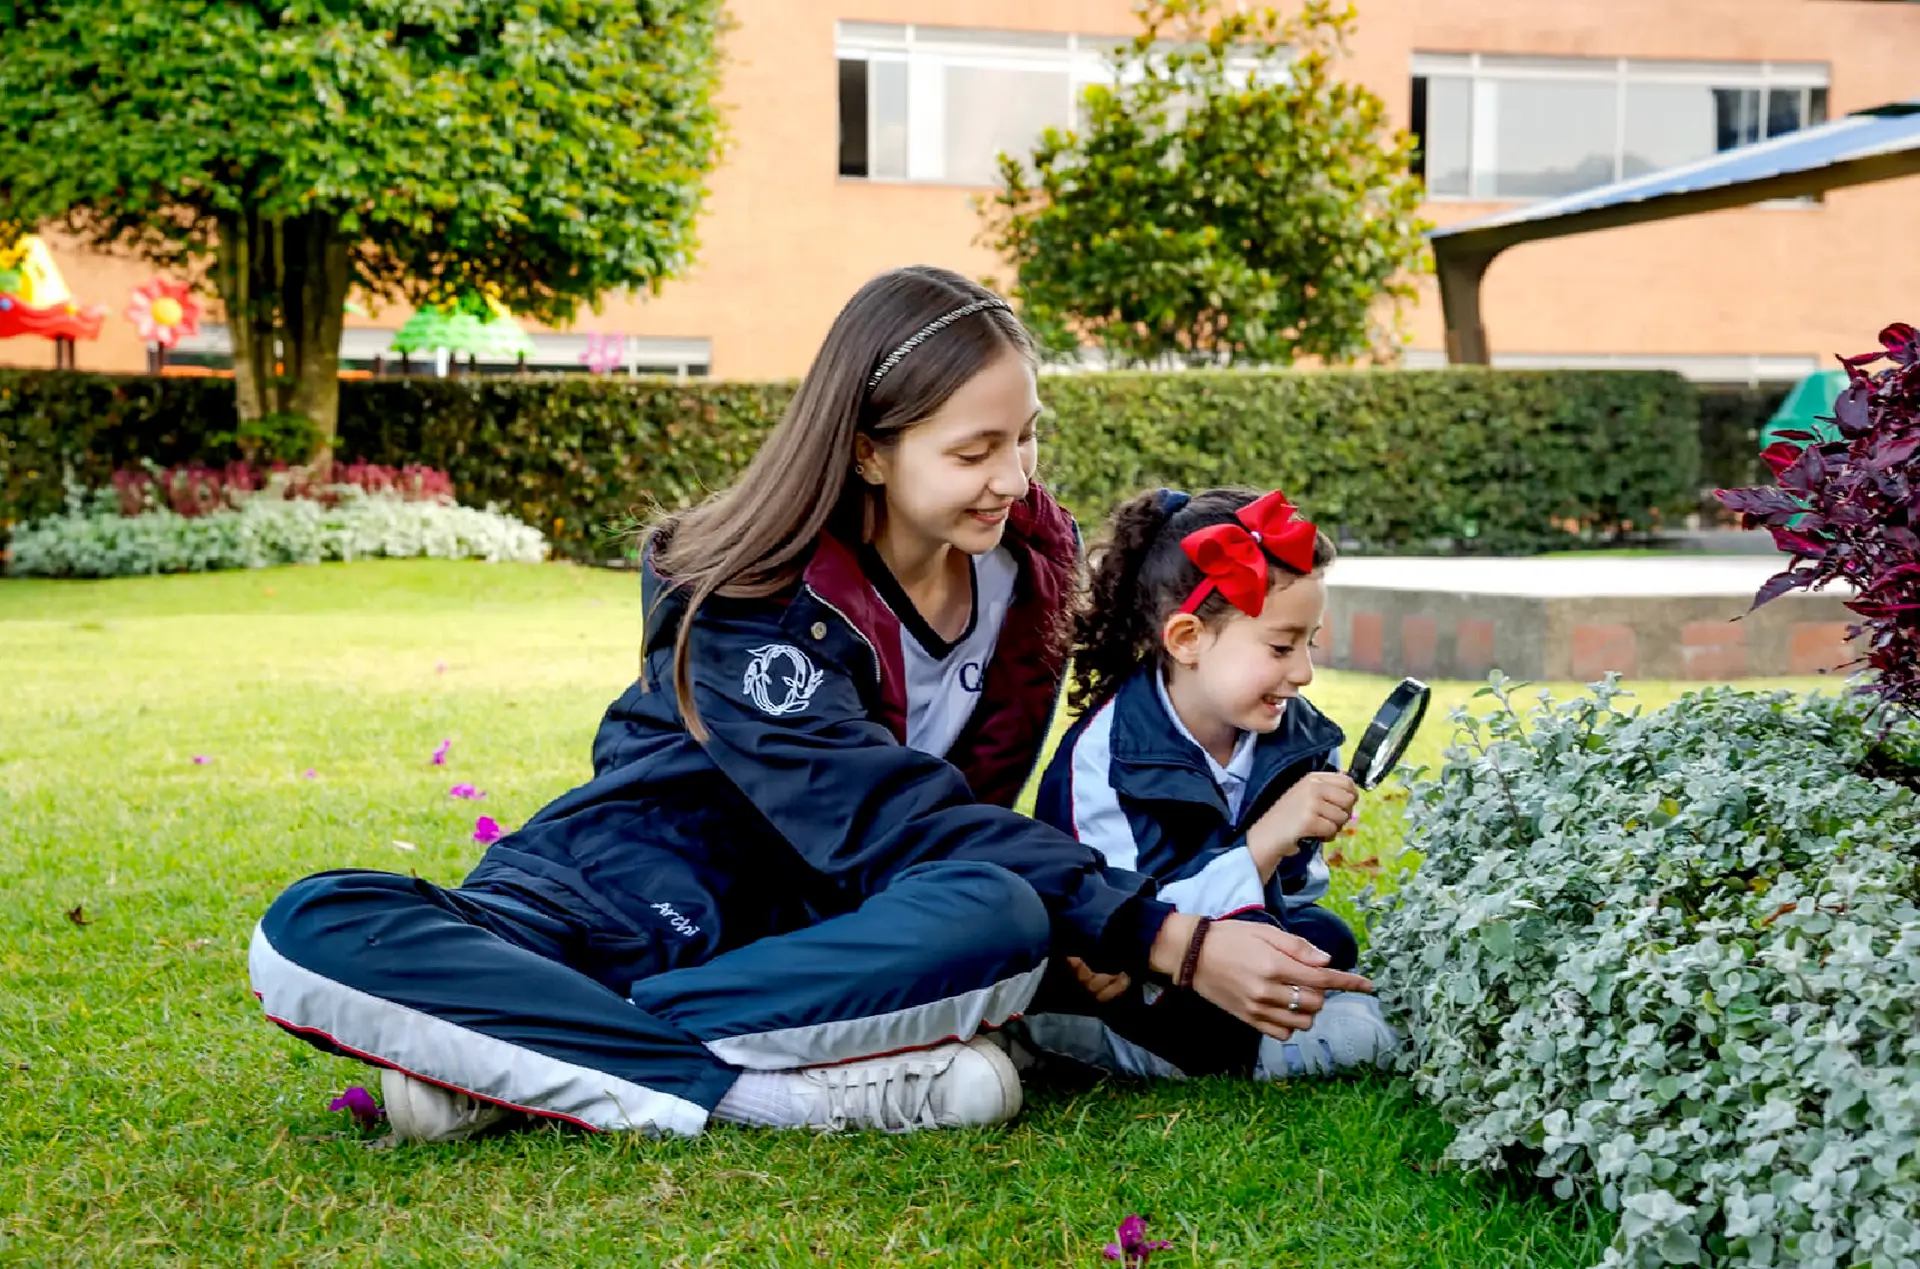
{"x":545,"y":151}
{"x":1228,"y":200}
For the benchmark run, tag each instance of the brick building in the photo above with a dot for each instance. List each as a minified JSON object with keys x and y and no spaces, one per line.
{"x":862,"y":130}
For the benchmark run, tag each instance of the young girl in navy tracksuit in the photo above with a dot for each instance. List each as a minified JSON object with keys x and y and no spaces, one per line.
{"x":792,"y":893}
{"x":1197,"y":762}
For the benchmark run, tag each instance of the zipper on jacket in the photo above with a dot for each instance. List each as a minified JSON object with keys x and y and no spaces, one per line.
{"x":857,"y":633}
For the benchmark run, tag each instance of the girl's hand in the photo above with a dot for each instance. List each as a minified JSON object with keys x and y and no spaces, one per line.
{"x":1251,"y":969}
{"x":1102,"y":987}
{"x":1318,"y":806}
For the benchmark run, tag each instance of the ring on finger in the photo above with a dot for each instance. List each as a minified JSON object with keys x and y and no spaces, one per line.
{"x":1294,"y":1004}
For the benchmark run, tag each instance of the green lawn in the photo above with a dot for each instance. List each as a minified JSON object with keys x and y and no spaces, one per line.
{"x":149,"y":1115}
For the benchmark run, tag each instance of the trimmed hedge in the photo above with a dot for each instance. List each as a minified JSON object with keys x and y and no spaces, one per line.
{"x":1397,"y":460}
{"x":89,"y":426}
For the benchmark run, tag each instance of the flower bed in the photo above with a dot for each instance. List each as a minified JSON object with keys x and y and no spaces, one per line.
{"x":198,"y":519}
{"x":194,"y":489}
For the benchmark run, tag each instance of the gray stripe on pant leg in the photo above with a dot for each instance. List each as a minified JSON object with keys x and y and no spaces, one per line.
{"x":915,"y":1027}
{"x":454,"y":1057}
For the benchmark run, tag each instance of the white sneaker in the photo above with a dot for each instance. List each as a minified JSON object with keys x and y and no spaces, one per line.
{"x":1347,"y":1034}
{"x":419,"y":1111}
{"x":952,"y":1086}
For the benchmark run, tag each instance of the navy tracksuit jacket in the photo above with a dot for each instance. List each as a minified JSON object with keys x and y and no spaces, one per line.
{"x":805,"y":800}
{"x":1128,"y":783}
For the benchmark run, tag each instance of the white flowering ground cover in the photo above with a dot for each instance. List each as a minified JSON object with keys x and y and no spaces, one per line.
{"x":150,"y":1116}
{"x":92,"y":539}
{"x":1673,"y":961}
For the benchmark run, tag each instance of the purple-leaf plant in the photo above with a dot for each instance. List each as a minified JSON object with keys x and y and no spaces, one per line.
{"x":1133,"y":1246}
{"x":1848,"y":510}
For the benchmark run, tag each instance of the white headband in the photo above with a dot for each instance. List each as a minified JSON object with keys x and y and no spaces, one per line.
{"x":921,"y":336}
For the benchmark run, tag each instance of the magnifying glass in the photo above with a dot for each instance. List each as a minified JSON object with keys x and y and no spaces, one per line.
{"x":1385,"y":741}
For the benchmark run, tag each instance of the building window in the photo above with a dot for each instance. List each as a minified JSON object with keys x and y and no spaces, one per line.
{"x":924,"y":103}
{"x":1517,"y":128}
{"x":210,"y":348}
{"x":873,"y":118}
{"x":370,"y":349}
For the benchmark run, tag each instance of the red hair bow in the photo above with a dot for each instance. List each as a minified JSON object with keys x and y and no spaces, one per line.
{"x":1232,"y":558}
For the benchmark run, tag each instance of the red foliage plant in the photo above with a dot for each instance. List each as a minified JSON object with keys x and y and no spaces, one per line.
{"x":1848,"y":510}
{"x":193,"y":489}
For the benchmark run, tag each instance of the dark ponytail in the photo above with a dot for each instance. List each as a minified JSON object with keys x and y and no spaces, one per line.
{"x":1113,"y":631}
{"x":1140,"y":574}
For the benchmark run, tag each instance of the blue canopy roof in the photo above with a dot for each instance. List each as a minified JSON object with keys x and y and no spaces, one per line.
{"x":1871,"y":145}
{"x":1884,"y":133}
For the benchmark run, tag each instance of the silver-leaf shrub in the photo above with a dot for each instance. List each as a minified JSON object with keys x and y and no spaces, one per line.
{"x":92,"y":539}
{"x":1675,"y":958}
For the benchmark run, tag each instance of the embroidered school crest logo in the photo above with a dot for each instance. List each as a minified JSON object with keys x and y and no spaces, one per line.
{"x":780,"y":679}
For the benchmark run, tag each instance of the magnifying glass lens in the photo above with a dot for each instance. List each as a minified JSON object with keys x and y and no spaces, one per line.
{"x":1393,"y":747}
{"x":1389,"y":734}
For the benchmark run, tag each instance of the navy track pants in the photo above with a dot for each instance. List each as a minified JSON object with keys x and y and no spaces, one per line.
{"x":514,"y":999}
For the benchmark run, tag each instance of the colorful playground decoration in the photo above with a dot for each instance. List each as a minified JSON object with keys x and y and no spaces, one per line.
{"x":34,"y":300}
{"x":473,"y":324}
{"x":604,"y":354}
{"x":164,"y":312}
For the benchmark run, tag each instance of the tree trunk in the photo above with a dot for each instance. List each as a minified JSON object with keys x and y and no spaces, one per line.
{"x":243,"y":272}
{"x":284,"y":285}
{"x":313,"y":299}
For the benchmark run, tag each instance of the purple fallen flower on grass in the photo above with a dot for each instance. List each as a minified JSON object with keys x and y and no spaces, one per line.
{"x":1134,"y":1246}
{"x":310,"y":774}
{"x":439,"y":667}
{"x":359,"y":1103}
{"x":466,"y":792}
{"x":440,"y":753}
{"x":201,"y":760}
{"x":486,"y":830}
